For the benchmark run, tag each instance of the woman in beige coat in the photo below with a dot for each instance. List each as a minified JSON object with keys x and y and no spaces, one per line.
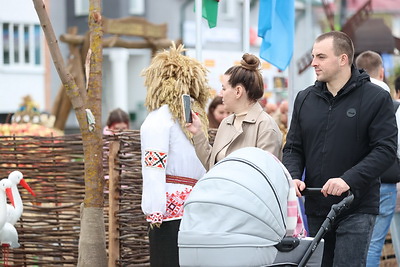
{"x":248,"y":125}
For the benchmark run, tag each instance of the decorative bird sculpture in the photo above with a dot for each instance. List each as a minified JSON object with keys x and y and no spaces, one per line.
{"x":8,"y":233}
{"x":15,"y":212}
{"x":5,"y":189}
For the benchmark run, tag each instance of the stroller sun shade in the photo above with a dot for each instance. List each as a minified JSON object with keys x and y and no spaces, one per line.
{"x":240,"y":202}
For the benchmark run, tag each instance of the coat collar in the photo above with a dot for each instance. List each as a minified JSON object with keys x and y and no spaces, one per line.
{"x":251,"y":116}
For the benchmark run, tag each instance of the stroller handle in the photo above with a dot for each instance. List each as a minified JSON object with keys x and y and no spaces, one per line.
{"x":311,"y":191}
{"x":337,"y":208}
{"x":316,"y":191}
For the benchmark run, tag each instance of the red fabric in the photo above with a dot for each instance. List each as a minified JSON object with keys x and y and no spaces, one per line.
{"x":173,"y":179}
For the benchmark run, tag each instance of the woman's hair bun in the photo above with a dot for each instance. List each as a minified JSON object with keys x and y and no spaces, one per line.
{"x":250,"y":62}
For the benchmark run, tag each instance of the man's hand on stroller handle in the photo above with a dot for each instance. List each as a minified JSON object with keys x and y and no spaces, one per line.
{"x":299,"y":186}
{"x":334,"y":186}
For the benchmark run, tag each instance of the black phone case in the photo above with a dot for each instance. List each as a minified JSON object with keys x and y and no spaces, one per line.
{"x":187,"y":109}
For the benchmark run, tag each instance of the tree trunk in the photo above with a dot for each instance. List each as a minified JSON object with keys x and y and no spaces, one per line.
{"x":87,"y":106}
{"x":92,"y":248}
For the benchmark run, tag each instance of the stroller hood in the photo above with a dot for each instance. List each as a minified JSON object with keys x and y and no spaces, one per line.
{"x":241,"y":201}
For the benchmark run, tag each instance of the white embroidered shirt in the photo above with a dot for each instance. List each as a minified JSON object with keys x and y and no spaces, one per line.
{"x":165,"y":151}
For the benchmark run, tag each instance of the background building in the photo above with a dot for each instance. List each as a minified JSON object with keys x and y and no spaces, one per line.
{"x":26,"y":66}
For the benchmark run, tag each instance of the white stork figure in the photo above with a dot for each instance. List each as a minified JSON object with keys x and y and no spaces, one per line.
{"x":15,"y":212}
{"x":8,"y":233}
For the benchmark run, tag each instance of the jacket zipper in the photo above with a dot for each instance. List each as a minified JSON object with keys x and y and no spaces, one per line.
{"x":326,"y":131}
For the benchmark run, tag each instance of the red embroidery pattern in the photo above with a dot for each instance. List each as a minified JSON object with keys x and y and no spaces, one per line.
{"x":174,"y":207}
{"x":155,"y":159}
{"x":175,"y":203}
{"x":156,"y":217}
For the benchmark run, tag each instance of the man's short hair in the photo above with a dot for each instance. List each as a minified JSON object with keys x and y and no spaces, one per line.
{"x":371,"y":62}
{"x":342,"y":44}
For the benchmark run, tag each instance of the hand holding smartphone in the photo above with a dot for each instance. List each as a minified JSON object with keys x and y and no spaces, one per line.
{"x":187,"y":108}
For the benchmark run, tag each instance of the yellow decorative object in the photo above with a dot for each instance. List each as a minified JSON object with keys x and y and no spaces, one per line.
{"x":172,"y":74}
{"x":29,"y":121}
{"x":27,"y":129}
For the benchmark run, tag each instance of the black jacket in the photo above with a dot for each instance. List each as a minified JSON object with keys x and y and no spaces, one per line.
{"x":352,"y":136}
{"x":392,"y":174}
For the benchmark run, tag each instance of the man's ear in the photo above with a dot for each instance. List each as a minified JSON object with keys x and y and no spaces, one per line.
{"x":381,"y":74}
{"x":344,"y":60}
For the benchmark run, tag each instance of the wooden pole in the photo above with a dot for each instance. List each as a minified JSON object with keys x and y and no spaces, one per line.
{"x":113,"y":199}
{"x":62,"y":106}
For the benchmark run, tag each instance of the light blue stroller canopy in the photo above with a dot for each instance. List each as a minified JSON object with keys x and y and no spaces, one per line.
{"x":236,"y":212}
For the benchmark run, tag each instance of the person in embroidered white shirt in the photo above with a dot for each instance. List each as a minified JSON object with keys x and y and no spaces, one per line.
{"x":170,"y":166}
{"x":372,"y":63}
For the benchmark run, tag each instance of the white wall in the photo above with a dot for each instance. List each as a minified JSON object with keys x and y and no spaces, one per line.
{"x":18,"y":10}
{"x":17,"y":82}
{"x":13,"y":88}
{"x":59,"y":22}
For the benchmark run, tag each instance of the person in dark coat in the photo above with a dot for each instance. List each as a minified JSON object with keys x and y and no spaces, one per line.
{"x":372,"y":63}
{"x":343,"y":136}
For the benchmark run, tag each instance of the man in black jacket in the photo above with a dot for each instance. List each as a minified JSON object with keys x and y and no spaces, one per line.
{"x":343,"y":135}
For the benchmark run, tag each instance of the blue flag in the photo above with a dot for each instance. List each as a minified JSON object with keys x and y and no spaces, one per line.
{"x":276,"y":28}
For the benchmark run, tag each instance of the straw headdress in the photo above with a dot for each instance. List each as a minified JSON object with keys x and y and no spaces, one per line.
{"x":172,"y":74}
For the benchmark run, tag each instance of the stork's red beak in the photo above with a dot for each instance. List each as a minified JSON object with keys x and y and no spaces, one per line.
{"x":10,"y":196}
{"x":27,"y":187}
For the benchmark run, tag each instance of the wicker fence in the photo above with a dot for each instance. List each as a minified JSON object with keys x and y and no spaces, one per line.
{"x":50,"y":224}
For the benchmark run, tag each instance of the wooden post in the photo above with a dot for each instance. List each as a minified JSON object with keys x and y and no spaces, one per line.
{"x":62,"y":105}
{"x":113,"y":202}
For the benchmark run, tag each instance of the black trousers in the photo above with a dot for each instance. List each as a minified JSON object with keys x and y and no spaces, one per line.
{"x":164,"y":244}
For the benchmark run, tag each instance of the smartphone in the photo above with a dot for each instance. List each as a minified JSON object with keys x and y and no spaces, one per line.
{"x":187,"y":108}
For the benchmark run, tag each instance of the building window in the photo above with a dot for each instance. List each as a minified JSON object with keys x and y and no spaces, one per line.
{"x":37,"y":46}
{"x":26,"y":42}
{"x":81,"y":7}
{"x":16,"y":43}
{"x":6,"y":43}
{"x":21,"y":44}
{"x":136,"y":7}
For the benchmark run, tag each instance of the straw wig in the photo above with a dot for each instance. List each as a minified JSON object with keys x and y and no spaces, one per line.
{"x":172,"y":74}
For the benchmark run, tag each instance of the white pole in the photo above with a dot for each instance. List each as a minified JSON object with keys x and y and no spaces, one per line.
{"x":246,"y":26}
{"x":199,"y":37}
{"x":119,"y":58}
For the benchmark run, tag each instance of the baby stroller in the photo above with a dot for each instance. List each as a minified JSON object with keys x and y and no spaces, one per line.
{"x":236,"y":215}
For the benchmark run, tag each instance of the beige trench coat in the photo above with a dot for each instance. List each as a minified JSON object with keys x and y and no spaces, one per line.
{"x":258,"y":130}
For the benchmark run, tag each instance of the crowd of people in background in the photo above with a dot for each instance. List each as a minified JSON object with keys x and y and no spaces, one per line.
{"x":371,"y":62}
{"x":216,"y":112}
{"x":279,"y":111}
